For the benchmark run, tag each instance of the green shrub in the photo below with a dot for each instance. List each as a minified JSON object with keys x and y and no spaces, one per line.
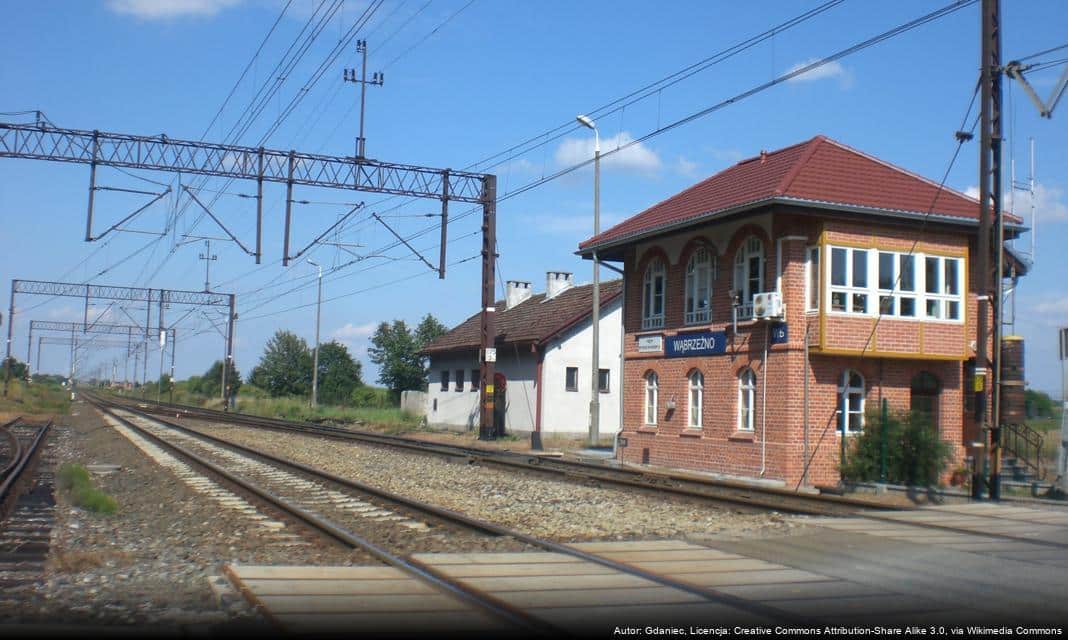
{"x":915,"y":455}
{"x":74,"y":479}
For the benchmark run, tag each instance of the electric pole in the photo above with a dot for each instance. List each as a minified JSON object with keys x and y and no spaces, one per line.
{"x":208,"y":257}
{"x":991,"y":233}
{"x":377,"y":79}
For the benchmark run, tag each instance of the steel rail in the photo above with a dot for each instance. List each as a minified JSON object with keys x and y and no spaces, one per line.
{"x":29,"y":455}
{"x":738,"y":493}
{"x":708,"y":593}
{"x":16,"y":446}
{"x":412,"y":567}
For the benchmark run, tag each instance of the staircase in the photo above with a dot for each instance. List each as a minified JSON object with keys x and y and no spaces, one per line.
{"x":1022,"y":453}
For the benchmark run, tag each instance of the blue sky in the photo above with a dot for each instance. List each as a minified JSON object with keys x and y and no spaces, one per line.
{"x":466,"y":80}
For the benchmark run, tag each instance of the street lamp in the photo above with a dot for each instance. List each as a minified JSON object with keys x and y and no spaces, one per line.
{"x":315,"y":361}
{"x":595,"y":386}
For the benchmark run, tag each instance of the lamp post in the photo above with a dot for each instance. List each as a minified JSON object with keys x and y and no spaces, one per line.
{"x":595,"y":386}
{"x":315,"y":361}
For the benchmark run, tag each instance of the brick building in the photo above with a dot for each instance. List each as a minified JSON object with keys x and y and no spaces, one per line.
{"x":874,"y":266}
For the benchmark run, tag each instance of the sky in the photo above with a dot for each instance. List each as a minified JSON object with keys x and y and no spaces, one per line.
{"x":466,"y":80}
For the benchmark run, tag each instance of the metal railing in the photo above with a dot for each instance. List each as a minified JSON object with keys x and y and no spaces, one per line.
{"x":1025,"y":444}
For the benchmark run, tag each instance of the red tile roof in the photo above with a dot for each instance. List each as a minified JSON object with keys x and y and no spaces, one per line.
{"x":533,"y":320}
{"x":819,"y":171}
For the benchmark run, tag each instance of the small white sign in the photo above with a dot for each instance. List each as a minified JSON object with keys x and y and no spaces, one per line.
{"x":162,"y":339}
{"x":491,"y":354}
{"x":650,"y":344}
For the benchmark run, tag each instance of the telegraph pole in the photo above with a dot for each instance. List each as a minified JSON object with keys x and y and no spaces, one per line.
{"x":377,"y":79}
{"x":488,"y":330}
{"x":207,"y":257}
{"x":990,"y":228}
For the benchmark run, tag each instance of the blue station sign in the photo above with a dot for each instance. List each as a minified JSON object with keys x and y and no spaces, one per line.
{"x":780,"y":333}
{"x":706,"y":343}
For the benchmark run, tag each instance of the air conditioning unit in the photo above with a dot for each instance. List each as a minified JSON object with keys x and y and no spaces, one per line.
{"x":767,"y":305}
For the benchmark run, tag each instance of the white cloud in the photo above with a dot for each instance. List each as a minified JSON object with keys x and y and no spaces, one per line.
{"x":351,"y":332}
{"x":831,"y":70}
{"x":571,"y":225}
{"x":168,"y":9}
{"x":1059,"y":307}
{"x":636,"y":157}
{"x":1050,"y":203}
{"x":686,"y":167}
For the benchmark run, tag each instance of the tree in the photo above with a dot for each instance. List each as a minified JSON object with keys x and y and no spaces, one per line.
{"x":19,"y":370}
{"x":429,"y":328}
{"x":286,"y":366}
{"x":394,"y":349}
{"x":210,"y":384}
{"x":339,"y":374}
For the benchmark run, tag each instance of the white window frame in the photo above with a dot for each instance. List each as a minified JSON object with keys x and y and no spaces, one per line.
{"x":746,"y":399}
{"x":887,"y":302}
{"x":753,"y":247}
{"x":942,"y":296}
{"x":851,"y":290}
{"x":700,"y":274}
{"x":696,"y":399}
{"x":651,"y":404}
{"x":812,"y":278}
{"x":651,"y":319}
{"x":890,"y":299}
{"x":846,"y":390}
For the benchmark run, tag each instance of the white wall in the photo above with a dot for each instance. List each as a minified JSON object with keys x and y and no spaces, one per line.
{"x":458,"y":410}
{"x":451,"y":409}
{"x":567,"y":412}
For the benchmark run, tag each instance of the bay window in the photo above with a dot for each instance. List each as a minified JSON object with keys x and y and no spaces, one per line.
{"x":874,"y":282}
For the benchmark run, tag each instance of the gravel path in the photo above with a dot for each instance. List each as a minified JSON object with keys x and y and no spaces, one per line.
{"x":535,"y":504}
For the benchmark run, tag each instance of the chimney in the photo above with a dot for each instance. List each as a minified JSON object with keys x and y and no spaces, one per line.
{"x":763,"y":156}
{"x":557,"y":282}
{"x":517,"y":292}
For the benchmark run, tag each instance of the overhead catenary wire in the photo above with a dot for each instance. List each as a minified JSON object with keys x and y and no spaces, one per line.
{"x":883,"y":36}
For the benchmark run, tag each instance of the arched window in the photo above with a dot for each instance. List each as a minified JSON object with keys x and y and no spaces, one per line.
{"x":748,"y":273}
{"x":699,"y":286}
{"x":851,"y":402}
{"x":652,"y":391}
{"x":697,"y":403}
{"x":653,"y":295}
{"x":746,"y":399}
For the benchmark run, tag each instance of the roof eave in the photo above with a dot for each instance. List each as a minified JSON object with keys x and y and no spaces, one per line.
{"x":586,"y":252}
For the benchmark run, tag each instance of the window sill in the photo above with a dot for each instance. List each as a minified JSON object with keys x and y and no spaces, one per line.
{"x":742,"y":436}
{"x":691,"y":432}
{"x":647,"y":428}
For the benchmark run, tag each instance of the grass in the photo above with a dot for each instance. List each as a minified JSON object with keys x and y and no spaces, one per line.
{"x":75,"y":480}
{"x":35,"y":400}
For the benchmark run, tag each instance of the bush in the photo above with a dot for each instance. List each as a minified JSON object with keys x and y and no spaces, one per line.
{"x":371,"y":398}
{"x":74,"y":478}
{"x":915,"y":455}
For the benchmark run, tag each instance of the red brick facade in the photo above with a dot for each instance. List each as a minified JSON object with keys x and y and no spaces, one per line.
{"x":888,"y":352}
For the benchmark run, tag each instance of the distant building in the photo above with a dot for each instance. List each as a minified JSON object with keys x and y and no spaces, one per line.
{"x":544,"y":351}
{"x":875,"y":270}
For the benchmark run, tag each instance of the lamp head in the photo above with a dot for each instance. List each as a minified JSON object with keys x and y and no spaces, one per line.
{"x":313,"y":263}
{"x":586,"y":121}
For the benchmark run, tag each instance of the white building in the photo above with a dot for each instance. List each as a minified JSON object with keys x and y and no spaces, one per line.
{"x":543,"y":368}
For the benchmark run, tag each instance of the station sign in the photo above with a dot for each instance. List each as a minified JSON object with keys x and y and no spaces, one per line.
{"x":706,"y":343}
{"x":780,"y":333}
{"x":650,"y":344}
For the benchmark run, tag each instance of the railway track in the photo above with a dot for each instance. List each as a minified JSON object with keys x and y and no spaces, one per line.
{"x":27,"y":504}
{"x":392,"y":528}
{"x":722,"y":491}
